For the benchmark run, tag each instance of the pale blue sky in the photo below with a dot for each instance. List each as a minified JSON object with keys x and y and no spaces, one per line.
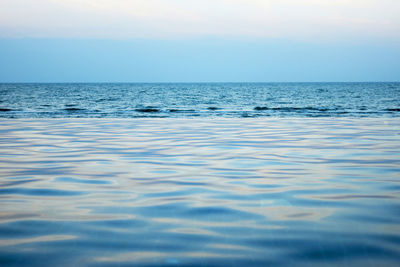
{"x":209,"y":40}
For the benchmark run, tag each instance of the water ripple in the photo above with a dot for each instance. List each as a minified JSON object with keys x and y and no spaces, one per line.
{"x":189,"y":192}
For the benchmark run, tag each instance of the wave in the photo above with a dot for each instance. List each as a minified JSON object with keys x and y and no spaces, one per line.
{"x":181,"y":110}
{"x":147,"y":110}
{"x":73,"y":109}
{"x":289,"y":109}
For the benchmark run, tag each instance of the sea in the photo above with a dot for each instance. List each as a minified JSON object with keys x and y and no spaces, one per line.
{"x":207,"y":100}
{"x":200,"y":174}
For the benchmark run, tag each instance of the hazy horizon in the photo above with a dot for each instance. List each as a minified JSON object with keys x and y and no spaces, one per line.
{"x":192,"y":41}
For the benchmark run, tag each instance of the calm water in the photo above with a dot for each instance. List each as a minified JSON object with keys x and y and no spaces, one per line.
{"x":200,"y":100}
{"x":198,"y":192}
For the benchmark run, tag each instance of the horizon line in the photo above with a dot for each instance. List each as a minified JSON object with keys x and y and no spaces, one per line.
{"x":182,"y":82}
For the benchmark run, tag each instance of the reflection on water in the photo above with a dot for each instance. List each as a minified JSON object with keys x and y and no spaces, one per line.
{"x":239,"y":192}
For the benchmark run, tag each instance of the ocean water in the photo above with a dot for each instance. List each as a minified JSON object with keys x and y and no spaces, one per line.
{"x":181,"y":100}
{"x":198,"y":191}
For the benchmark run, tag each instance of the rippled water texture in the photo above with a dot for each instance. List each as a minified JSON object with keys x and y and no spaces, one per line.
{"x":223,"y":192}
{"x":183,"y":100}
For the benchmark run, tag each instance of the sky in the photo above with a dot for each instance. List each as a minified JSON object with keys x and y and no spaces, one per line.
{"x":204,"y":41}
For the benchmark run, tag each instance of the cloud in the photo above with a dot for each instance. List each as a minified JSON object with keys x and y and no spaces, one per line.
{"x":289,"y":19}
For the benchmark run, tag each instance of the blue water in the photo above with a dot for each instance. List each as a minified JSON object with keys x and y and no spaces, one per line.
{"x":212,"y":174}
{"x":199,"y":192}
{"x":120,"y":100}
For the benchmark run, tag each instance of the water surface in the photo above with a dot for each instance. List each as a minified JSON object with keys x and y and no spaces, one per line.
{"x":183,"y":100}
{"x":184,"y":192}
